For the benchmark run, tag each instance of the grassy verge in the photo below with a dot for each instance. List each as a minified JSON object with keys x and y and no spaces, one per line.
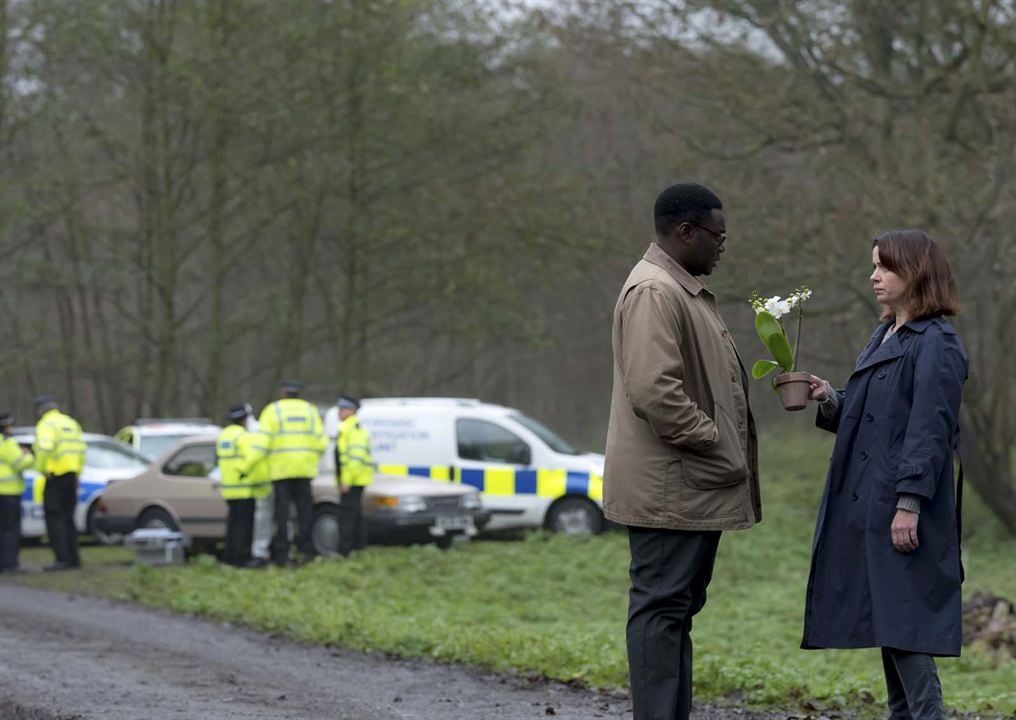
{"x":555,"y":606}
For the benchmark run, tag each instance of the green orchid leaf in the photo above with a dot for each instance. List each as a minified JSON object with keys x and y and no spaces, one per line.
{"x":762,"y":368}
{"x":766,"y":325}
{"x":779,"y":346}
{"x":773,"y":337}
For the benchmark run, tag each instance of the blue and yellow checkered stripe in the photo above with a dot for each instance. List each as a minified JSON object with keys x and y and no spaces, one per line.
{"x":508,"y":482}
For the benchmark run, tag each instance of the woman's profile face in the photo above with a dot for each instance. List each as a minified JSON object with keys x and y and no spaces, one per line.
{"x":889,"y":287}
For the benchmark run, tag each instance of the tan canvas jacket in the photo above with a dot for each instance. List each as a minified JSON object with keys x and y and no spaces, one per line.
{"x":681,"y":444}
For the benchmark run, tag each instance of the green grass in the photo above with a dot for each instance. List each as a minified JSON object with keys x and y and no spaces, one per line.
{"x":555,"y":606}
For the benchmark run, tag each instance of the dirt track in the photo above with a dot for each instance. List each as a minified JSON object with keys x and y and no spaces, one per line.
{"x":64,"y":657}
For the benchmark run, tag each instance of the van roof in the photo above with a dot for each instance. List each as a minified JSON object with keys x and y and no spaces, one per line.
{"x":440,"y":401}
{"x":447,"y":403}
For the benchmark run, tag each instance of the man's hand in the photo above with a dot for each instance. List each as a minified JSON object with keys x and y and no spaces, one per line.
{"x":817,"y":389}
{"x":345,"y":488}
{"x":904,"y":531}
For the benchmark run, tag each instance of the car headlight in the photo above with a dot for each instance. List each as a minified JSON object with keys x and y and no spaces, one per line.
{"x":404,"y":503}
{"x":471,"y":501}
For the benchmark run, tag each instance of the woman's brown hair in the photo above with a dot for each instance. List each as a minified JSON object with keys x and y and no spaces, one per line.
{"x":931,"y":286}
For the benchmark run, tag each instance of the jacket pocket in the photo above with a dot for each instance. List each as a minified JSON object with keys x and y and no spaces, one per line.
{"x":724,"y":465}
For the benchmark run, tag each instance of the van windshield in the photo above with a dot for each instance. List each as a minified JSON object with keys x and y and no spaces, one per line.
{"x":555,"y":441}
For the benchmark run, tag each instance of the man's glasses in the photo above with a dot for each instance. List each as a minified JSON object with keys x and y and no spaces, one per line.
{"x":720,"y":237}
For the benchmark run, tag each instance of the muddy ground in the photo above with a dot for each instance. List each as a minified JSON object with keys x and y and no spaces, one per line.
{"x":66,"y":657}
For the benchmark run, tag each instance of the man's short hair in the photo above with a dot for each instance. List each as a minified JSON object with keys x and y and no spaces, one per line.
{"x":684,"y":202}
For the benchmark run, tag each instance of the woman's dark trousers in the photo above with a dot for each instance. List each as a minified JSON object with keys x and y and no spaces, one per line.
{"x":59,"y":500}
{"x":239,"y":531}
{"x":298,"y":490}
{"x":912,"y":681}
{"x":669,"y":572}
{"x":10,"y":531}
{"x":352,"y":531}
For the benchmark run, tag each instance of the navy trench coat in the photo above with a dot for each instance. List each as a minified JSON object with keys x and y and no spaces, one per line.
{"x":896,"y":427}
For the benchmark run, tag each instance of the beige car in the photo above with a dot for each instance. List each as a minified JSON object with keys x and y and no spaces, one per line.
{"x":181,"y":491}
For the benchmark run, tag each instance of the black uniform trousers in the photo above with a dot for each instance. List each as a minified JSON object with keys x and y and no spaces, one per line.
{"x":912,"y":681}
{"x":239,"y":531}
{"x":298,"y":491}
{"x":352,"y":530}
{"x":58,"y":502}
{"x":670,"y":570}
{"x":10,"y":531}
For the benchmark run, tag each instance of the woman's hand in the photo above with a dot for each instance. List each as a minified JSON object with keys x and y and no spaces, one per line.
{"x":817,"y":389}
{"x":904,"y":531}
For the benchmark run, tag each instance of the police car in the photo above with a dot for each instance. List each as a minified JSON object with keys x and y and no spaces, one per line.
{"x":154,"y":437}
{"x":529,"y":476}
{"x":106,"y":460}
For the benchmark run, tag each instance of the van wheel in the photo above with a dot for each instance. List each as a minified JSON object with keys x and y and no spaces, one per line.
{"x":574,"y":516}
{"x":156,"y":518}
{"x":103,"y":538}
{"x":324,"y":531}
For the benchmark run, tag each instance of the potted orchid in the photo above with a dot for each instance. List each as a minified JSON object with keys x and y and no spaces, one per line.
{"x":792,"y":386}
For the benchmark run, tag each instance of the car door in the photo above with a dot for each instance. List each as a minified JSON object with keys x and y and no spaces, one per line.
{"x":490,"y":457}
{"x":189,"y":488}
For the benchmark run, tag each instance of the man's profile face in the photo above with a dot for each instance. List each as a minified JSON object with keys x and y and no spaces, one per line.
{"x":708,"y":242}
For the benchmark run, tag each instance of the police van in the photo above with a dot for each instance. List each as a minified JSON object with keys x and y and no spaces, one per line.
{"x":527,"y":474}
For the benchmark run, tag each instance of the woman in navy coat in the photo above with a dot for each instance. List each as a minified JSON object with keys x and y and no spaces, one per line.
{"x":885,"y":568}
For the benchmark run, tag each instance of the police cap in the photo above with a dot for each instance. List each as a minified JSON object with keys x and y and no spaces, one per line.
{"x":291,"y":386}
{"x":240,"y":412}
{"x":45,"y":402}
{"x":6,"y":419}
{"x":348,"y":403}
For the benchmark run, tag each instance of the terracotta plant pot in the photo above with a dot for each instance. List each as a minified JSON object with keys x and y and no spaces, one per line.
{"x":793,"y":389}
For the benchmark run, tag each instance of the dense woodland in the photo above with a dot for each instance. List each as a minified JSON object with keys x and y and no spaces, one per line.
{"x":442,"y":197}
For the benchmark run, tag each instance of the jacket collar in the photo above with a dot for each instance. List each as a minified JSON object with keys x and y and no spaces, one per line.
{"x":657,"y":256}
{"x":876,"y":351}
{"x":924,"y":323}
{"x":879,"y":352}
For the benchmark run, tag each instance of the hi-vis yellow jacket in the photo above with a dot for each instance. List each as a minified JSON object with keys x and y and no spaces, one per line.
{"x":59,"y":447}
{"x":296,"y":438}
{"x":12,"y":462}
{"x":354,"y":461}
{"x":241,"y":457}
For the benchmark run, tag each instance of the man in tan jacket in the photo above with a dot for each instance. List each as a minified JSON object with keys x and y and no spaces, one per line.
{"x":681,"y":447}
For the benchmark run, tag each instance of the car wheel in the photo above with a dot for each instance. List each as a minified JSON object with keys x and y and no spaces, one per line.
{"x":324,"y":531}
{"x":103,"y":538}
{"x":156,"y":518}
{"x":574,"y":516}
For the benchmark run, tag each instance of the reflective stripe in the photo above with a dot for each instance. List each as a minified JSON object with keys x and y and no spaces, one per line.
{"x":509,"y":482}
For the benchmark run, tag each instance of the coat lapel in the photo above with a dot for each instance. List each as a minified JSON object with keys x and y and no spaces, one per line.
{"x":881,"y":352}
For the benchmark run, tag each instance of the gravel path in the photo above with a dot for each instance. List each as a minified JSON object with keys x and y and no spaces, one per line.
{"x":65,"y":657}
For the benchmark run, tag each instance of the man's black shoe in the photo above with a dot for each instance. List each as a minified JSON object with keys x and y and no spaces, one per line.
{"x":256,"y":563}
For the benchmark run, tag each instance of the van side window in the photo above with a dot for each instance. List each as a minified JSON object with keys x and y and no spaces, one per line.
{"x":192,"y":461}
{"x":488,"y":442}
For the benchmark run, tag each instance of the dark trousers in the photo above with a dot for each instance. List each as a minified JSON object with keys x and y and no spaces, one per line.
{"x":912,"y":681}
{"x":58,"y":502}
{"x":352,"y":530}
{"x":239,"y":531}
{"x":10,"y":531}
{"x":669,"y":572}
{"x":298,"y":491}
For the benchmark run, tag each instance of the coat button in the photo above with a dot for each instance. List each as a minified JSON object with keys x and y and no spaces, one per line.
{"x":881,"y":373}
{"x":869,"y":417}
{"x":853,"y":496}
{"x":864,"y":455}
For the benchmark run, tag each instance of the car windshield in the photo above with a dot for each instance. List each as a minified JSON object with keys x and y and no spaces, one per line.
{"x":108,"y":455}
{"x":555,"y":441}
{"x":155,"y":446}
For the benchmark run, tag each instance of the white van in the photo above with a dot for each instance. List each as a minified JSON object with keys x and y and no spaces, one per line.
{"x":529,"y":477}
